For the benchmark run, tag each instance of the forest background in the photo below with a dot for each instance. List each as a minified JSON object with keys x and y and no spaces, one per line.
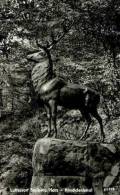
{"x":88,"y":54}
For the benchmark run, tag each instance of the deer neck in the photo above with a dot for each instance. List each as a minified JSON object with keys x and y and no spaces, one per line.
{"x":50,"y":62}
{"x":41,"y":74}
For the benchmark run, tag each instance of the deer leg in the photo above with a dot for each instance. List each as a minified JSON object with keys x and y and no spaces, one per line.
{"x":53,"y":107}
{"x":48,"y":111}
{"x":87,"y":116}
{"x":99,"y":119}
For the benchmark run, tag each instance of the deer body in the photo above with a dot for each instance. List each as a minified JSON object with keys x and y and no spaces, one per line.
{"x":75,"y":96}
{"x":53,"y":91}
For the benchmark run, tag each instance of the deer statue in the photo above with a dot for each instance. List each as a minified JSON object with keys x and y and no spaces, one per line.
{"x":54,"y":91}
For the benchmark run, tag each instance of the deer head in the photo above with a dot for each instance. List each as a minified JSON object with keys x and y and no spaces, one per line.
{"x":37,"y":56}
{"x":44,"y":50}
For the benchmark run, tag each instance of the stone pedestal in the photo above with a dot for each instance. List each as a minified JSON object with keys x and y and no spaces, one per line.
{"x":69,"y":167}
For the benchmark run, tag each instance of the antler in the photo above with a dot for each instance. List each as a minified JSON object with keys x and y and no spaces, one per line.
{"x":55,"y":41}
{"x":39,"y":44}
{"x":49,"y":46}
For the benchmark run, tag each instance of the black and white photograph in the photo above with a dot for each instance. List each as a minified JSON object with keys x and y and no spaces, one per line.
{"x":59,"y":97}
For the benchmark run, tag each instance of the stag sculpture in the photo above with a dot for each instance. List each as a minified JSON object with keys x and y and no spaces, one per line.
{"x":54,"y":91}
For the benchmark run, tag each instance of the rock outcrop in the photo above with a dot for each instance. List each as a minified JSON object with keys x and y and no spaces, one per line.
{"x":69,"y":167}
{"x":15,"y":88}
{"x":21,"y":88}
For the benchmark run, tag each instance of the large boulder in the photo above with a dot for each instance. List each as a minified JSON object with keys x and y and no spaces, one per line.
{"x":66,"y":166}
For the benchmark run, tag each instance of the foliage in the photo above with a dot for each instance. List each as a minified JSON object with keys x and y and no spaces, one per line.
{"x":93,"y":26}
{"x":87,"y":54}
